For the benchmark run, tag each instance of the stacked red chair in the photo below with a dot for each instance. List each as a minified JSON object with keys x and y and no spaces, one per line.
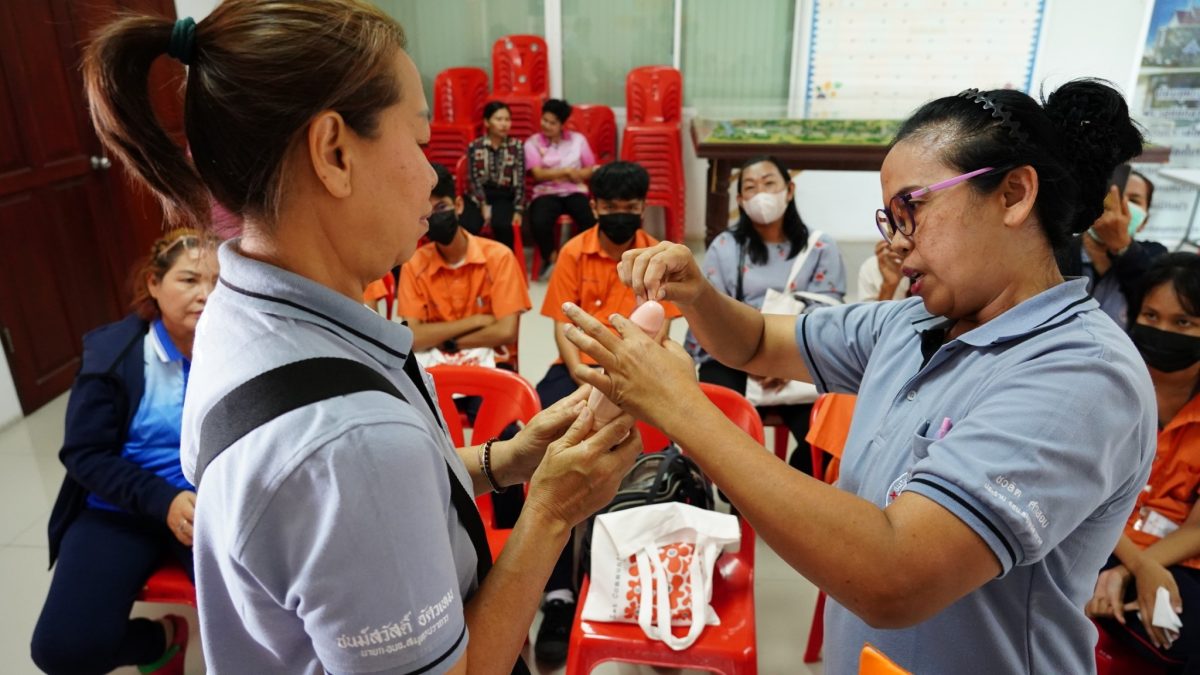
{"x":169,"y":585}
{"x":653,"y":138}
{"x":459,"y":95}
{"x":598,"y":124}
{"x":730,"y":648}
{"x":521,"y":80}
{"x":460,"y":182}
{"x":507,"y":397}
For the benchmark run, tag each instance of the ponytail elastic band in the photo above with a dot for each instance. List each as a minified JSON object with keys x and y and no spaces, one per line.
{"x":183,"y":41}
{"x":998,"y":112}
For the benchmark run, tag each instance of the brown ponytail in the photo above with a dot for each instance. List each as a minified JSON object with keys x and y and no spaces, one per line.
{"x":260,"y":71}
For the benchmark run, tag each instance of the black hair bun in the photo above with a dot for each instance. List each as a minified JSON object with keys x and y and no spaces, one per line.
{"x":1096,"y":135}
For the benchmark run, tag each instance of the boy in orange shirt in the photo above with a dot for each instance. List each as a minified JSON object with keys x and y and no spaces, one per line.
{"x":460,"y":293}
{"x":586,"y":274}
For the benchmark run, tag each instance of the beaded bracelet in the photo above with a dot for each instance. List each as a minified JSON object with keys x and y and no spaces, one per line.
{"x":485,"y":466}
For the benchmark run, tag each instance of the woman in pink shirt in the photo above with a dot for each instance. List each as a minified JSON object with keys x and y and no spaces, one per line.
{"x":561,"y":163}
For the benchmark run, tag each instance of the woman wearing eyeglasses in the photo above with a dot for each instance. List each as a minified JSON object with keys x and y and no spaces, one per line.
{"x":125,"y":505}
{"x":1004,"y":424}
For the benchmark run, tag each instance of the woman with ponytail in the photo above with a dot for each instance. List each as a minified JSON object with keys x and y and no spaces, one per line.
{"x":335,"y":530}
{"x":125,"y":505}
{"x":1004,"y":424}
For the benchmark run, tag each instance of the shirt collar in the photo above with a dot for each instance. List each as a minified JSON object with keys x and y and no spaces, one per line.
{"x":474,"y":254}
{"x":1188,"y":414}
{"x":589,"y":241}
{"x":277,"y":291}
{"x":164,"y":346}
{"x":1050,"y":307}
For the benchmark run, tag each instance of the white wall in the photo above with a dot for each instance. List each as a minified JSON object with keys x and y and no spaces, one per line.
{"x":10,"y":406}
{"x":197,"y":9}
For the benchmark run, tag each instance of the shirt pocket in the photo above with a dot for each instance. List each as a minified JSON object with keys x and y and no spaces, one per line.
{"x":1180,"y":482}
{"x":593,"y":293}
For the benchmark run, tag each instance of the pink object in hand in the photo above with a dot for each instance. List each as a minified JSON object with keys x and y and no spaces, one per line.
{"x":649,"y":317}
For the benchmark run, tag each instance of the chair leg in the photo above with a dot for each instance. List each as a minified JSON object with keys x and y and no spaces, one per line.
{"x":816,"y":634}
{"x":781,"y":441}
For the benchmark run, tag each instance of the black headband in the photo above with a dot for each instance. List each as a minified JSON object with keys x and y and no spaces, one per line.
{"x":998,"y":112}
{"x":183,"y":41}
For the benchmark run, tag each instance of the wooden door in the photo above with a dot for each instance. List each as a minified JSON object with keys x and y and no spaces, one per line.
{"x":70,"y":227}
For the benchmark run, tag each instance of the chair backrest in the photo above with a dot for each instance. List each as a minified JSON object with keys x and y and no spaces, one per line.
{"x":460,"y":175}
{"x":654,"y":94}
{"x":459,"y":95}
{"x":599,"y":125}
{"x":507,"y":398}
{"x":520,"y":65}
{"x":874,"y":662}
{"x":829,"y":425}
{"x":735,"y":406}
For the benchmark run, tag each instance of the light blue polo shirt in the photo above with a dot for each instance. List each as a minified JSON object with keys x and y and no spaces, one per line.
{"x":325,"y":539}
{"x":1051,"y":436}
{"x":153,"y":438}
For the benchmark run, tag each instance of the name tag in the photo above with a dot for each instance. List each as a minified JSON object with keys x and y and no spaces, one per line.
{"x":1154,"y":523}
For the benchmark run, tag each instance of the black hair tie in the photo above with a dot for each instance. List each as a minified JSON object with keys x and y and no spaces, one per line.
{"x":183,"y":41}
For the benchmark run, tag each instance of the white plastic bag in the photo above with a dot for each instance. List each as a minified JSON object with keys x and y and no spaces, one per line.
{"x":657,"y":561}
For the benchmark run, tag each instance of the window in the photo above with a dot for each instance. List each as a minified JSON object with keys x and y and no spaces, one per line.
{"x":603,"y":41}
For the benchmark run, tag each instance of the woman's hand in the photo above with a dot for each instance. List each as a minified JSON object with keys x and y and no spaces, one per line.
{"x":581,"y":474}
{"x":526,"y":450}
{"x":1150,"y":576}
{"x":181,"y":516}
{"x":770,"y":383}
{"x":889,"y":264}
{"x":1113,"y":225}
{"x":516,"y":221}
{"x":1109,"y":597}
{"x":665,"y":271}
{"x":638,"y":373}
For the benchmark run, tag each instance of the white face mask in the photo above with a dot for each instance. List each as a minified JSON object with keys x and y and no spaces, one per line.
{"x":766,"y":207}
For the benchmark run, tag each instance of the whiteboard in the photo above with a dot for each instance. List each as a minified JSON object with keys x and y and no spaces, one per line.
{"x":881,"y":59}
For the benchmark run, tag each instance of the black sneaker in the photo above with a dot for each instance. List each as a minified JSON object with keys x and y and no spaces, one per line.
{"x":555,"y":633}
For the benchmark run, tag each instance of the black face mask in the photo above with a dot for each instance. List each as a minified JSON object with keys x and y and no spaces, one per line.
{"x":1165,"y":351}
{"x":443,"y":226}
{"x":620,"y":227}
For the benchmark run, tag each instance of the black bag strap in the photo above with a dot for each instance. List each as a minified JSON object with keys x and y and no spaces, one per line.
{"x":295,"y":385}
{"x":741,"y":296}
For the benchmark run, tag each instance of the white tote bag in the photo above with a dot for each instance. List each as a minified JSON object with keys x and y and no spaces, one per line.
{"x":485,"y":357}
{"x":657,"y":561}
{"x":792,"y":304}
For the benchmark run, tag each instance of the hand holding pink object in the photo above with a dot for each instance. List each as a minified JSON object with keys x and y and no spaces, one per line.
{"x":649,"y":317}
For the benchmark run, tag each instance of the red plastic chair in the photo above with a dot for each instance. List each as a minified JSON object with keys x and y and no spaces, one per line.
{"x":728,"y":648}
{"x":521,"y":65}
{"x":460,"y":183}
{"x":507,"y":398}
{"x":448,"y":142}
{"x":389,"y":284}
{"x":459,"y":95}
{"x":654,"y":95}
{"x":1115,"y":657}
{"x":599,"y":125}
{"x":169,"y":585}
{"x":525,"y":110}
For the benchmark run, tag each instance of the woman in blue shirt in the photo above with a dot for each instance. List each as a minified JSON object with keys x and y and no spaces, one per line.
{"x":758,"y":254}
{"x":124,"y":504}
{"x":1004,"y":424}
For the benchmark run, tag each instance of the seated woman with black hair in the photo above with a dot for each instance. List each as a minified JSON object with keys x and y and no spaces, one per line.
{"x":495,"y":189}
{"x":758,"y":254}
{"x":561,"y":163}
{"x":1161,"y":543}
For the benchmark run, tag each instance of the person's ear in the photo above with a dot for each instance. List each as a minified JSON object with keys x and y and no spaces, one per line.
{"x":1019,"y":192}
{"x":459,"y":205}
{"x":595,"y":213}
{"x":791,"y":189}
{"x":329,"y":153}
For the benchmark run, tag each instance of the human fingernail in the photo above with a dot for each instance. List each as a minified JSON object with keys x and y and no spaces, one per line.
{"x":568,"y":306}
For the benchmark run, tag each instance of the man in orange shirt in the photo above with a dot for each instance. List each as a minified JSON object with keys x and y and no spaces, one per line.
{"x":586,"y":274}
{"x":462,"y":295}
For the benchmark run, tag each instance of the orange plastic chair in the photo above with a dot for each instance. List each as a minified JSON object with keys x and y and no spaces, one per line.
{"x":169,"y":585}
{"x":507,"y":398}
{"x":460,"y":182}
{"x":459,"y":95}
{"x":598,"y":124}
{"x":825,"y":423}
{"x":728,"y":648}
{"x":874,"y":662}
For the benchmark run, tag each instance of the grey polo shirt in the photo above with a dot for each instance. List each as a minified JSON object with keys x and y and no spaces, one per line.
{"x":1051,"y":435}
{"x":325,"y":540}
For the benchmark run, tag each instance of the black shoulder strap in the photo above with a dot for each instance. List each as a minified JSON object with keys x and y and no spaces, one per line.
{"x":741,"y":297}
{"x":301,"y":383}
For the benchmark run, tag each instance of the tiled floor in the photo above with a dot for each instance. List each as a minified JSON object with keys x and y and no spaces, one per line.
{"x":30,"y":475}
